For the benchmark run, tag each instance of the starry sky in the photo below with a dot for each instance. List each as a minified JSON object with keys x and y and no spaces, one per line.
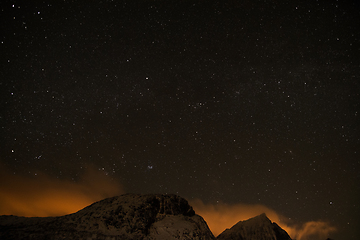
{"x":222,"y":102}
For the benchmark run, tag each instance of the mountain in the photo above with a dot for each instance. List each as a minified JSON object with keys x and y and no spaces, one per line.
{"x":257,"y":228}
{"x":129,"y":216}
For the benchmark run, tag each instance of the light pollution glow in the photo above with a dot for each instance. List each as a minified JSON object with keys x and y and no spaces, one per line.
{"x":43,"y":196}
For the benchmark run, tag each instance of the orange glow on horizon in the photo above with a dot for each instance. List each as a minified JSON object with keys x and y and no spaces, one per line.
{"x":43,"y":196}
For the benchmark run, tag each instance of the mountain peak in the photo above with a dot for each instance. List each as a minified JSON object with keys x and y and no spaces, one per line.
{"x":261,"y":217}
{"x":256,"y":228}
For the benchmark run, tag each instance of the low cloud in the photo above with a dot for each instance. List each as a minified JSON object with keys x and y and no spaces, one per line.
{"x":222,"y":216}
{"x":43,"y":195}
{"x":313,"y":230}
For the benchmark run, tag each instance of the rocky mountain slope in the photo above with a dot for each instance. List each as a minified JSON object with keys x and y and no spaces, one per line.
{"x":130,"y":216}
{"x":257,"y":228}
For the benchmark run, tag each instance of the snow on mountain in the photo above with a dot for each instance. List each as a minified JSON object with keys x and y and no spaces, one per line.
{"x":129,"y":216}
{"x":257,"y":228}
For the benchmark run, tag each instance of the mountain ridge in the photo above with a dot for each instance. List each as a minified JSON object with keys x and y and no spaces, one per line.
{"x":129,"y":216}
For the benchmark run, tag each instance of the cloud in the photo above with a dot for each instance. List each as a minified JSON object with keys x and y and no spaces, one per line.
{"x":44,"y":195}
{"x":222,"y":216}
{"x":313,"y":230}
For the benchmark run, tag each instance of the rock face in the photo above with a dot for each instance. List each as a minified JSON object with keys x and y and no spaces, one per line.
{"x":257,"y":228}
{"x":130,"y":216}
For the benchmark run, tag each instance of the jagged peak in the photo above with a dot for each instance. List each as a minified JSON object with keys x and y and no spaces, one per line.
{"x":255,"y":228}
{"x":262,"y":216}
{"x":261,"y":219}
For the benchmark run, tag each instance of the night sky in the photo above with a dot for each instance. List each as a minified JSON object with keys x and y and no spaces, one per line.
{"x":223,"y":103}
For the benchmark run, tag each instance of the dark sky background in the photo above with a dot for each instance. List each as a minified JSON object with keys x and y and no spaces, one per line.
{"x":253,"y":102}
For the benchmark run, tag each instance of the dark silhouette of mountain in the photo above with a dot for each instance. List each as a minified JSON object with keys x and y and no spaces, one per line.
{"x":129,"y":216}
{"x":257,"y":228}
